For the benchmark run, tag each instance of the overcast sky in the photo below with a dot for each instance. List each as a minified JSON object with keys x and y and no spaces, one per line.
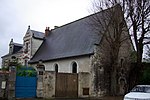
{"x":16,"y":15}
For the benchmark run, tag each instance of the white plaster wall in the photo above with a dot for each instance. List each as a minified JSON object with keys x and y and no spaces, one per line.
{"x":65,"y":65}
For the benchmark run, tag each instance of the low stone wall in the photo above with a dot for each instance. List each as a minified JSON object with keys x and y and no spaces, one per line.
{"x":3,"y":84}
{"x":7,"y":84}
{"x":11,"y":85}
{"x":84,"y":81}
{"x":46,"y":84}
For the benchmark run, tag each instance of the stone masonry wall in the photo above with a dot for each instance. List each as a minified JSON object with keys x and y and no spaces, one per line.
{"x":11,"y":85}
{"x":49,"y":78}
{"x":3,"y":84}
{"x":7,"y":84}
{"x":84,"y":83}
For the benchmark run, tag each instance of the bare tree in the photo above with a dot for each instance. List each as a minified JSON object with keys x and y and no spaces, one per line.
{"x":111,"y":26}
{"x":147,"y":58}
{"x":138,"y":14}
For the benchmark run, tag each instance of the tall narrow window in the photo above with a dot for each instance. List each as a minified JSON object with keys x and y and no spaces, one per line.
{"x":121,"y":62}
{"x":26,"y":48}
{"x":74,"y":67}
{"x":56,"y":68}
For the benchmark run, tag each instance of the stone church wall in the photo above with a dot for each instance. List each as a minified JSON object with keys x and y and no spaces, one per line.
{"x":101,"y":68}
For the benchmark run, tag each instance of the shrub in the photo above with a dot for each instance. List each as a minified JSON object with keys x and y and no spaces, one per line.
{"x":145,"y":76}
{"x":26,"y":71}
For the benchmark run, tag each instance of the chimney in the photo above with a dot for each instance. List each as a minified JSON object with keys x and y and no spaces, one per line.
{"x":47,"y":31}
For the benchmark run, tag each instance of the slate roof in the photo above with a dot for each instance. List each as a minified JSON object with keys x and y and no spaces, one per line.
{"x":74,"y":39}
{"x":37,"y":34}
{"x":16,"y":49}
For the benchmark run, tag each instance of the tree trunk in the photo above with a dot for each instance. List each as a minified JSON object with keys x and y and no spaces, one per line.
{"x":113,"y":82}
{"x":139,"y":61}
{"x":114,"y":64}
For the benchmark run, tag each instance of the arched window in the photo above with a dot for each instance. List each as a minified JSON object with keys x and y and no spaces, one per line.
{"x":56,"y":68}
{"x":74,"y":67}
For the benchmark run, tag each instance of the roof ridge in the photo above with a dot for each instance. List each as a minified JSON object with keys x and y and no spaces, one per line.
{"x":85,"y":17}
{"x":73,"y":21}
{"x":17,"y":44}
{"x":37,"y":31}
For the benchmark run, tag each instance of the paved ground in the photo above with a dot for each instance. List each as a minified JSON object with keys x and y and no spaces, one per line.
{"x":105,"y":98}
{"x":113,"y":98}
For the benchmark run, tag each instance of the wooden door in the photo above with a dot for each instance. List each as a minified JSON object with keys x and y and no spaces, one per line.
{"x":66,"y":85}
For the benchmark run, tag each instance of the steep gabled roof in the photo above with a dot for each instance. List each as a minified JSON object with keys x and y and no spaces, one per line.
{"x":37,"y":34}
{"x":74,"y":39}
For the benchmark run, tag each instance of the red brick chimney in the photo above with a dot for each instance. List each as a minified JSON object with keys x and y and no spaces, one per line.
{"x":47,"y":31}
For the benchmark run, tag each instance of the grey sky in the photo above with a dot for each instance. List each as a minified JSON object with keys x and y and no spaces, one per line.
{"x":16,"y":15}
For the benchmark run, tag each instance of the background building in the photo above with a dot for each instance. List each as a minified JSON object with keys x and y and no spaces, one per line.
{"x":22,"y":53}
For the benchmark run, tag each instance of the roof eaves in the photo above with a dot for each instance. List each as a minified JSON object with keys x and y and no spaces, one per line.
{"x":6,"y":55}
{"x":12,"y":54}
